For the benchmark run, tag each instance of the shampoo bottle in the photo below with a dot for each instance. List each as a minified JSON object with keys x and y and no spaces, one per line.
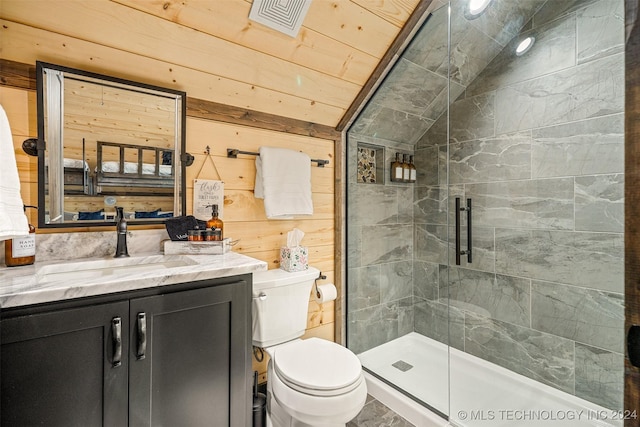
{"x":21,"y":250}
{"x":396,"y":169}
{"x":412,"y":170}
{"x":215,"y":222}
{"x":406,"y":170}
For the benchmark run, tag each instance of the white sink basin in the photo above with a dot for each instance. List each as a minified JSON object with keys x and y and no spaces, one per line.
{"x":109,"y":267}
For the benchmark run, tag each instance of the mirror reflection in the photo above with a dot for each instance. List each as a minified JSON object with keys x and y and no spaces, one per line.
{"x":106,"y":142}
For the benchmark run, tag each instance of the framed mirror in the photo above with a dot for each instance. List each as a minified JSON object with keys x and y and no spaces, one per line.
{"x":105,"y":142}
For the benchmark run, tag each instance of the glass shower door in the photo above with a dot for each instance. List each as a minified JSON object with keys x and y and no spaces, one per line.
{"x":397,"y":322}
{"x":535,"y":150}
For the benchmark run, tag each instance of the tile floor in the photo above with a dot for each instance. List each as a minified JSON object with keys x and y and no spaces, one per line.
{"x":375,"y":414}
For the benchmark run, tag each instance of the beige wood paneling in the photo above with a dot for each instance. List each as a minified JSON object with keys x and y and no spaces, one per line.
{"x":265,"y":235}
{"x":244,"y":216}
{"x":242,"y":206}
{"x":240,"y":173}
{"x":95,"y":113}
{"x":320,"y":314}
{"x":129,"y":203}
{"x":320,"y":257}
{"x":352,"y":24}
{"x":324,"y":331}
{"x":394,"y":11}
{"x":20,"y":106}
{"x":229,"y":20}
{"x":113,"y":25}
{"x":28,"y":44}
{"x":220,"y":136}
{"x":27,"y":165}
{"x":209,"y":49}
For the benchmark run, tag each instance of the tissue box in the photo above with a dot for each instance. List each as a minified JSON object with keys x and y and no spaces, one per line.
{"x":294,"y":258}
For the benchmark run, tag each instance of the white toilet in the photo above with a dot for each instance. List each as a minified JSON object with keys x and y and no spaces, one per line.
{"x":311,"y":382}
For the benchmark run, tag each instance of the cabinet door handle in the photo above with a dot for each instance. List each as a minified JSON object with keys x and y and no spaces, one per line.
{"x":116,"y":333}
{"x":141,"y":347}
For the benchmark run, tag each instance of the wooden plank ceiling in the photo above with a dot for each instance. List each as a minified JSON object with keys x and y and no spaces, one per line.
{"x":211,"y":50}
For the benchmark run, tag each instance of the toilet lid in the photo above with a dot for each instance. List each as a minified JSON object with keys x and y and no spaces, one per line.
{"x":315,"y":364}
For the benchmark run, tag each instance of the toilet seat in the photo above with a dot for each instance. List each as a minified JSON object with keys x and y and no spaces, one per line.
{"x":317,"y":367}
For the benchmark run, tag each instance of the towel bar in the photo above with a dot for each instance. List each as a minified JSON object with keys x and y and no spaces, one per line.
{"x":233,"y":153}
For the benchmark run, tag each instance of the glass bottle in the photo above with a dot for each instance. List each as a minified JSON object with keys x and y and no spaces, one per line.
{"x":413,"y":174}
{"x":214,"y":222}
{"x":406,"y":170}
{"x":21,"y":250}
{"x":396,"y":169}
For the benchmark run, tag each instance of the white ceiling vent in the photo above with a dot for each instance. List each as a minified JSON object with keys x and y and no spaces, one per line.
{"x":285,"y":16}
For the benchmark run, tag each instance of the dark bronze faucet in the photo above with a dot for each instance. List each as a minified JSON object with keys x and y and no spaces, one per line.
{"x":121,"y":230}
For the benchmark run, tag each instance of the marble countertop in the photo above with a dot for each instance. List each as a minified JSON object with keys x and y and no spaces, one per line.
{"x":60,"y":281}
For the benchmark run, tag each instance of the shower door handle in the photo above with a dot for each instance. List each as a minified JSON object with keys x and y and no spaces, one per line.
{"x":460,"y":252}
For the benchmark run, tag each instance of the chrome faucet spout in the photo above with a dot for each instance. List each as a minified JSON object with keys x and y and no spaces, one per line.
{"x":121,"y":232}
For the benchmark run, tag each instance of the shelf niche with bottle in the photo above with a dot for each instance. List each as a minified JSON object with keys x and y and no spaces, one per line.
{"x":402,"y":169}
{"x":370,"y":167}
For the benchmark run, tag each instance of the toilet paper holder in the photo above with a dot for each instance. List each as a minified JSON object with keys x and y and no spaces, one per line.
{"x":315,"y":283}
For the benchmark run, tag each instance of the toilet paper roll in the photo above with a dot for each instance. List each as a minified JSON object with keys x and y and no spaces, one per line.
{"x":326,"y":293}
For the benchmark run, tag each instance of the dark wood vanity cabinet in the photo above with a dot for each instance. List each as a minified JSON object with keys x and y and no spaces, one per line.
{"x":55,"y":369}
{"x":193,"y":371}
{"x":145,"y":358}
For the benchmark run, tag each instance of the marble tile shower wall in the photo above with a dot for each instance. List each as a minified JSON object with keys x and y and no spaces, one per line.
{"x":380,"y":252}
{"x":381,"y":267}
{"x":537,"y":142}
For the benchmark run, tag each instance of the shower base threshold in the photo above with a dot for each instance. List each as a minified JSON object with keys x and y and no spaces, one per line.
{"x":482,"y":393}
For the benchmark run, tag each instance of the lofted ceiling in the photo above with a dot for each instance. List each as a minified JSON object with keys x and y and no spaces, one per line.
{"x":211,"y":50}
{"x":414,"y":93}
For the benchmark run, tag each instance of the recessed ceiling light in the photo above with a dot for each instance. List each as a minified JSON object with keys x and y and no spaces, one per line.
{"x":476,"y":7}
{"x":525,"y":45}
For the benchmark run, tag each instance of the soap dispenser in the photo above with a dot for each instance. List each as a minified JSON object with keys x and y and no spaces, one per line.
{"x":21,"y":250}
{"x":215,"y":222}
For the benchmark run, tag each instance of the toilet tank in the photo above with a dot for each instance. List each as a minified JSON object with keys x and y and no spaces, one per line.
{"x":280,"y":303}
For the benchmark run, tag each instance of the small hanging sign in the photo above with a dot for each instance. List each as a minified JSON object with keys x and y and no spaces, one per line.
{"x":207,"y":192}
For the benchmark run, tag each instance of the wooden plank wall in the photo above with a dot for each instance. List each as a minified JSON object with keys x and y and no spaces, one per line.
{"x":244,"y":215}
{"x":247,"y":86}
{"x":211,"y":50}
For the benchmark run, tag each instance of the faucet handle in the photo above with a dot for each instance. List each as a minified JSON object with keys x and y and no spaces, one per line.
{"x":121,"y":230}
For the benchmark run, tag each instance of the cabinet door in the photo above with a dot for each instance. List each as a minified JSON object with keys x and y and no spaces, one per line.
{"x":190,"y":358}
{"x":60,"y":368}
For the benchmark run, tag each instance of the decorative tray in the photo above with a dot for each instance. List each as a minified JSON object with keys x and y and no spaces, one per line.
{"x":184,"y":247}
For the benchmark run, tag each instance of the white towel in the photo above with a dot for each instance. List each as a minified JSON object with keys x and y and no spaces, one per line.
{"x":283,"y":180}
{"x":13,"y":221}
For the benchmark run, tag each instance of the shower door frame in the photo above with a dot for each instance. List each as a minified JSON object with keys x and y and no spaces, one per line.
{"x":632,"y":199}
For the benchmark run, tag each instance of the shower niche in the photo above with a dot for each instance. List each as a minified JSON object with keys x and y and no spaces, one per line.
{"x":370,"y":163}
